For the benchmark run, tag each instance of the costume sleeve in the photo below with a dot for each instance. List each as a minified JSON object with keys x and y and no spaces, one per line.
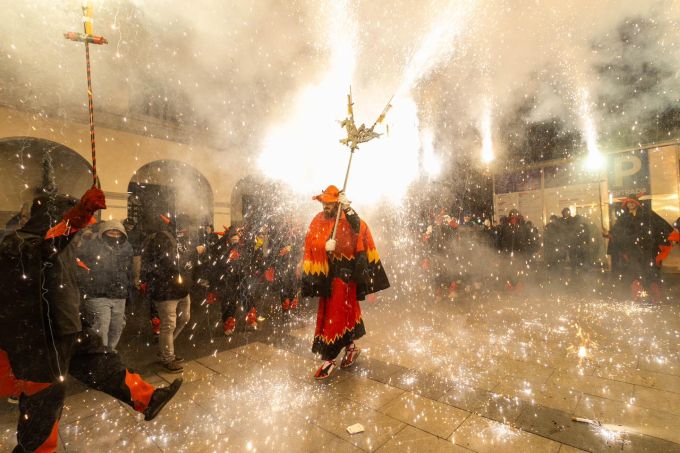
{"x":353,"y":219}
{"x":315,"y":269}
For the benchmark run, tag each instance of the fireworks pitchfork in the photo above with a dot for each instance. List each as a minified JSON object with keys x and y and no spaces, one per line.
{"x":355,"y":136}
{"x":88,"y":37}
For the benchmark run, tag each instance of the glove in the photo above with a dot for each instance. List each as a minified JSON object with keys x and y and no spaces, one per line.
{"x":92,"y":201}
{"x":269,"y":274}
{"x":143,"y":288}
{"x":330,"y":245}
{"x":342,"y":199}
{"x":211,"y":298}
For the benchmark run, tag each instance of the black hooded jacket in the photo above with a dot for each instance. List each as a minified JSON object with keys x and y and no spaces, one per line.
{"x":109,"y":264}
{"x":41,"y":300}
{"x":638,"y":237}
{"x":168,"y":265}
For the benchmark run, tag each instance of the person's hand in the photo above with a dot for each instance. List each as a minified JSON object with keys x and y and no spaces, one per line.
{"x":342,"y":199}
{"x":93,"y":200}
{"x":200,"y":249}
{"x":330,"y":245}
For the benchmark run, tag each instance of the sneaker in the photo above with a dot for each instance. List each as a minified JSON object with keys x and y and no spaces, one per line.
{"x":179,"y":359}
{"x":13,"y":400}
{"x":161,"y":397}
{"x":173,"y":367}
{"x":351,"y":354}
{"x":229,"y":326}
{"x":251,"y":319}
{"x":285,"y":305}
{"x":324,"y":370}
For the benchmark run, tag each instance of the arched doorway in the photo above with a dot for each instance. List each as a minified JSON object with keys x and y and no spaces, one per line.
{"x":30,"y":166}
{"x":170,"y":188}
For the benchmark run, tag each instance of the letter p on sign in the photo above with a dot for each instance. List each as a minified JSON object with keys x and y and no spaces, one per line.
{"x":625,"y":166}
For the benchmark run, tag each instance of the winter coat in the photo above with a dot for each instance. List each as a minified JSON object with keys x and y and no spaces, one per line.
{"x":168,"y":266}
{"x":637,"y":238}
{"x":224,"y":268}
{"x":516,"y":237}
{"x":110,"y":265}
{"x":554,"y":248}
{"x":41,"y":296}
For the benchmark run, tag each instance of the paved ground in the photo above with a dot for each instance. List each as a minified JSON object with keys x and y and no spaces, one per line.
{"x":488,"y":372}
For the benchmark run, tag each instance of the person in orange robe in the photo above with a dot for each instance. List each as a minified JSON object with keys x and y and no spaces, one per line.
{"x":341,"y":272}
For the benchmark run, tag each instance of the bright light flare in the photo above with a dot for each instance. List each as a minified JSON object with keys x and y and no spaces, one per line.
{"x":431,"y":162}
{"x":594,"y":160}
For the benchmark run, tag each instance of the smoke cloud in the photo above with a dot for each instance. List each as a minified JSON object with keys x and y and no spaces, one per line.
{"x":240,"y":71}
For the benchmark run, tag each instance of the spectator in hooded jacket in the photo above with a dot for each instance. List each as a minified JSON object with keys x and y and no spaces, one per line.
{"x":518,"y":241}
{"x":169,"y":260}
{"x":105,"y":278}
{"x":638,"y":244}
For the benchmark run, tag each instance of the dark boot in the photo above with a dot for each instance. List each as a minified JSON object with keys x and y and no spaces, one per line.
{"x":160,"y":398}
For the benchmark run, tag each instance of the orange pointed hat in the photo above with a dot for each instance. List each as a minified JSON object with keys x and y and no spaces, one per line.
{"x":330,"y":195}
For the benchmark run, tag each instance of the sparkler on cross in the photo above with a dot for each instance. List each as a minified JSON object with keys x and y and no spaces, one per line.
{"x":88,"y":37}
{"x":356,"y":136}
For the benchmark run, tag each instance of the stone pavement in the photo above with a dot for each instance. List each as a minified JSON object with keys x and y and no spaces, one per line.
{"x":479,"y":374}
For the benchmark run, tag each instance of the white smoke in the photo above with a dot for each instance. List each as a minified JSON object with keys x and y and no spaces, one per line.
{"x":243,"y":71}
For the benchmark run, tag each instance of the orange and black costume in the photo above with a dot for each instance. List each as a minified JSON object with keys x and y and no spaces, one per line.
{"x":41,"y":335}
{"x":340,"y":279}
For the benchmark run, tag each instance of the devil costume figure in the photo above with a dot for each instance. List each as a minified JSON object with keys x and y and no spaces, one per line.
{"x":341,"y":271}
{"x":638,"y":244}
{"x":42,"y":337}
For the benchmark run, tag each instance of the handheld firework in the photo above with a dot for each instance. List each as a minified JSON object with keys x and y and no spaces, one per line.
{"x":88,"y":37}
{"x":356,"y":136}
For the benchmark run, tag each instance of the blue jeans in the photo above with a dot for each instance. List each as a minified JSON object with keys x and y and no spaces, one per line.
{"x":106,"y":317}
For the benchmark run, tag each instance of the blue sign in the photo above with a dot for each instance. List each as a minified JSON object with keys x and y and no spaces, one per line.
{"x":628,"y":173}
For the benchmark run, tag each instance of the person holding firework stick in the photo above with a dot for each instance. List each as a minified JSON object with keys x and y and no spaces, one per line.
{"x":340,"y":265}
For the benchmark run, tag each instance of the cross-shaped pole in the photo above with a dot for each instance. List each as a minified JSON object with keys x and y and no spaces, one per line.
{"x":88,"y":38}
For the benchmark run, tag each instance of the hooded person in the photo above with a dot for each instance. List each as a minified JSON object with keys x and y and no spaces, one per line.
{"x":42,"y":338}
{"x":518,"y":242}
{"x":228,"y":282}
{"x":105,"y":278}
{"x":283,"y":260}
{"x":439,"y":241}
{"x":638,"y":244}
{"x":169,"y":261}
{"x":341,"y":272}
{"x":554,"y":248}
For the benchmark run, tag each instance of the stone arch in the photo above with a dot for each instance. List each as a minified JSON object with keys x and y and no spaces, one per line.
{"x":169,"y":187}
{"x":246,"y":196}
{"x":30,"y":165}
